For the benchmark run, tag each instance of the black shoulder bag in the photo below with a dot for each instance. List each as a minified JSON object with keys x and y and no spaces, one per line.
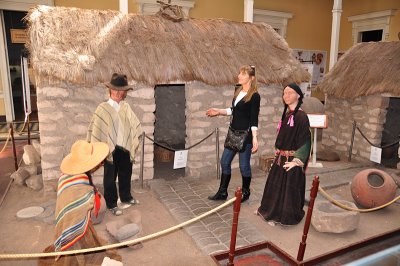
{"x":235,"y":138}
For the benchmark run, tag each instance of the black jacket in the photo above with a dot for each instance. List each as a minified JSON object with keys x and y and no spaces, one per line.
{"x":245,"y":115}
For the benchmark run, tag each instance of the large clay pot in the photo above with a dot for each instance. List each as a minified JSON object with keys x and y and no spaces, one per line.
{"x":372,"y":187}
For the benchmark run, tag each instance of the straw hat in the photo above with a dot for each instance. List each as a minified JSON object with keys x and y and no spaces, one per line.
{"x":84,"y":156}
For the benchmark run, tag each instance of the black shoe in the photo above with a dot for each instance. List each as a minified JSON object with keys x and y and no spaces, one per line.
{"x":245,"y":194}
{"x":222,"y":193}
{"x":246,"y":188}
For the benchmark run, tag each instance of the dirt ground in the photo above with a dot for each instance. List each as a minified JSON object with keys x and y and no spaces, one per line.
{"x":177,"y":248}
{"x":31,"y":236}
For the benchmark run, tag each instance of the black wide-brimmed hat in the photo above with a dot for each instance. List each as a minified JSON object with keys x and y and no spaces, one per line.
{"x":118,"y":82}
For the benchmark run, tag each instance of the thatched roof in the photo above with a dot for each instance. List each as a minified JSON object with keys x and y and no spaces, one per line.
{"x":87,"y":46}
{"x":365,"y":69}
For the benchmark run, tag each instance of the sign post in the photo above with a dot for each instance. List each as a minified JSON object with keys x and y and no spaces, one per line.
{"x":316,"y":121}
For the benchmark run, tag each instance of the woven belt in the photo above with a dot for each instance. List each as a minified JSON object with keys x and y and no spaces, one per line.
{"x":280,"y":153}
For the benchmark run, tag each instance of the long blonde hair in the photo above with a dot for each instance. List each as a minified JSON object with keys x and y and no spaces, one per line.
{"x":251,"y":71}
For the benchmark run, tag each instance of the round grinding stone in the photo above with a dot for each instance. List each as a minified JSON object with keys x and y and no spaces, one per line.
{"x":30,"y":212}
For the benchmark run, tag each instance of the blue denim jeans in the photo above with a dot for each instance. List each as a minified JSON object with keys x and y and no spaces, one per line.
{"x":244,"y":161}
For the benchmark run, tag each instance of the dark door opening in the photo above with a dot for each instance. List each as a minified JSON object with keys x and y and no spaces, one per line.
{"x":14,"y":28}
{"x":371,"y":36}
{"x":169,"y":129}
{"x":391,"y":134}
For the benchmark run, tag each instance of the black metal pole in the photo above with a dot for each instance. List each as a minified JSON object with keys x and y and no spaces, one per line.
{"x":352,"y":139}
{"x":217,"y":151}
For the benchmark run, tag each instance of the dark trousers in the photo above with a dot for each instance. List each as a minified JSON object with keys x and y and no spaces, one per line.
{"x":121,"y":166}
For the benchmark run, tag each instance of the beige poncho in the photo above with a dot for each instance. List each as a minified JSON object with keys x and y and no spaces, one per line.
{"x":104,"y":126}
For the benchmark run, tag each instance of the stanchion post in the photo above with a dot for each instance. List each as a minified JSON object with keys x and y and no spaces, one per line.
{"x":352,"y":139}
{"x":29,"y":131}
{"x":313,"y":195}
{"x":14,"y":148}
{"x":235,"y":221}
{"x":142,"y":161}
{"x":217,"y":151}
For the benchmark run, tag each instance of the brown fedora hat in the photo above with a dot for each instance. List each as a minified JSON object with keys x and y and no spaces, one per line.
{"x":84,"y":156}
{"x":118,"y":82}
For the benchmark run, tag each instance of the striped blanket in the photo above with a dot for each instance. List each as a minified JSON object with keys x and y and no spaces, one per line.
{"x":75,"y":201}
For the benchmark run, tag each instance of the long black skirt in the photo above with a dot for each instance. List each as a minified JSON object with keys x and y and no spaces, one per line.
{"x":283,"y":198}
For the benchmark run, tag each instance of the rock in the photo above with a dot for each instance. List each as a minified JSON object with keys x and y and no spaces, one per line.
{"x":20,"y":176}
{"x":29,"y":212}
{"x":36,"y":145}
{"x":31,"y":169}
{"x":312,"y":105}
{"x":35,"y":182}
{"x":127,"y":228}
{"x":330,"y":218}
{"x":127,"y":231}
{"x":30,"y":156}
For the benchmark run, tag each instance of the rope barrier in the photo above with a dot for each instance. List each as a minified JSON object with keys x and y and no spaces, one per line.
{"x":8,"y":138}
{"x":343,"y":206}
{"x":382,"y":147}
{"x":171,"y":149}
{"x":129,"y":242}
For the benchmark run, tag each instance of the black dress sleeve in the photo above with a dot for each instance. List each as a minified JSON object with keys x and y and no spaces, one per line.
{"x":254,"y":109}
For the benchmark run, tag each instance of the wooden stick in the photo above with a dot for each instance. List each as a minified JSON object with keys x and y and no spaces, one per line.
{"x":313,"y":195}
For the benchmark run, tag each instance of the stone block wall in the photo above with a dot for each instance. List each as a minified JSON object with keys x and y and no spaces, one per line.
{"x":369,"y":112}
{"x":199,"y":97}
{"x":65,"y":111}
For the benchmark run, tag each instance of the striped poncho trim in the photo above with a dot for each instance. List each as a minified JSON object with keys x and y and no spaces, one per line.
{"x":73,"y":225}
{"x":67,"y":180}
{"x":72,"y":234}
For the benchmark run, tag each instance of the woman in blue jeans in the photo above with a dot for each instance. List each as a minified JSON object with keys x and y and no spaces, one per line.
{"x":244,"y":111}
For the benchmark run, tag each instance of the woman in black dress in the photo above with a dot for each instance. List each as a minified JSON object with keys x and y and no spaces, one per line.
{"x":283,"y":198}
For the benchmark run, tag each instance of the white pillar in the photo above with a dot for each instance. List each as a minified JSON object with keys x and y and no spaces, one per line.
{"x":123,"y":6}
{"x":248,"y":10}
{"x":336,"y":14}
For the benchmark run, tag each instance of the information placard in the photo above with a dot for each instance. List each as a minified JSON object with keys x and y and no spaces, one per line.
{"x":376,"y":154}
{"x":180,"y":159}
{"x":317,"y":121}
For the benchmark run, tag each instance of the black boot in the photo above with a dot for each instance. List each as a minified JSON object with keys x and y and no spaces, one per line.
{"x":222,"y":192}
{"x":246,"y":187}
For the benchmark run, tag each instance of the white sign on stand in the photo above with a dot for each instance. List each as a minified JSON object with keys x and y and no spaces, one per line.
{"x":376,"y":154}
{"x":180,"y":159}
{"x":316,"y":121}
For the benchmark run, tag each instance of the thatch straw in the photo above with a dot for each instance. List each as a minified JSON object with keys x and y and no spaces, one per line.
{"x":86,"y":46}
{"x":366,"y":69}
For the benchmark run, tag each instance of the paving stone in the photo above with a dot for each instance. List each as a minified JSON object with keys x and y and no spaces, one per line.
{"x":201,"y":210}
{"x":212,"y":219}
{"x":215,"y":248}
{"x":206,"y":241}
{"x":203,"y":235}
{"x":191,"y":197}
{"x":214,"y":226}
{"x":220,"y":231}
{"x":197,"y":206}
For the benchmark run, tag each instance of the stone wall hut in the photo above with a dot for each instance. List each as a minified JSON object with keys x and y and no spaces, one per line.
{"x":74,"y":51}
{"x":364,"y":86}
